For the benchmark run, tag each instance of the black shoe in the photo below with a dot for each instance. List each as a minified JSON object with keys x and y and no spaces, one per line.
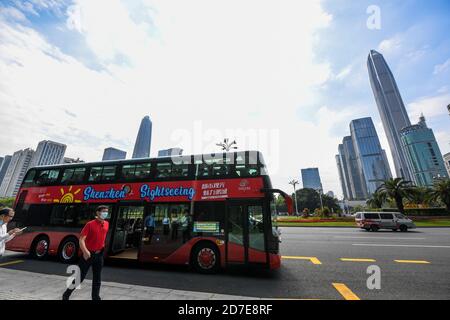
{"x":96,"y":298}
{"x":65,"y":296}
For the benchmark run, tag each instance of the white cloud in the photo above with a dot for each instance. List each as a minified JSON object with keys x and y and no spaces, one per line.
{"x":231,"y":65}
{"x":433,"y":106}
{"x":440,"y":68}
{"x":391,"y":46}
{"x":12,"y":13}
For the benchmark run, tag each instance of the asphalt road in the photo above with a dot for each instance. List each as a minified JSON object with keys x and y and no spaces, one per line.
{"x":423,"y":271}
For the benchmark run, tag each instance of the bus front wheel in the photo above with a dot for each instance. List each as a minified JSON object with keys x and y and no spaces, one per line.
{"x":39,"y":248}
{"x":68,"y":251}
{"x":205,"y":258}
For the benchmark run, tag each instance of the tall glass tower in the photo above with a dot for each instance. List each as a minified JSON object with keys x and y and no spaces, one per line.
{"x":143,"y":140}
{"x":372,"y":164}
{"x":423,"y":154}
{"x":356,"y":183}
{"x":392,"y":110}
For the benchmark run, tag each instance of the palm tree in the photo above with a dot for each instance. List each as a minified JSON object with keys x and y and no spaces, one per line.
{"x":441,"y":191}
{"x":377,"y":200}
{"x":420,"y":196}
{"x":396,"y":189}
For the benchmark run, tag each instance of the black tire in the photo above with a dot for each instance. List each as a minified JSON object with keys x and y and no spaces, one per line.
{"x":367,"y":229}
{"x":205,"y":258}
{"x":403,"y":228}
{"x":39,"y":248}
{"x":374,"y":228}
{"x":68,"y":250}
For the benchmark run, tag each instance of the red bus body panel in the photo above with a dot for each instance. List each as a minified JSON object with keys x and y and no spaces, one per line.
{"x":174,"y":191}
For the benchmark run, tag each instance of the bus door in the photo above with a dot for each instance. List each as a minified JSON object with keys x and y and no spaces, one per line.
{"x":127,"y":230}
{"x":245,"y":226}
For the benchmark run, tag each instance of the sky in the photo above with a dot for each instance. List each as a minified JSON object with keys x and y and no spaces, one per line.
{"x":284,"y":77}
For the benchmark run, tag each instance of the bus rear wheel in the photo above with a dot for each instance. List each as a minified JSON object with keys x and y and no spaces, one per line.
{"x":39,"y":248}
{"x":68,"y":251}
{"x":205,"y":258}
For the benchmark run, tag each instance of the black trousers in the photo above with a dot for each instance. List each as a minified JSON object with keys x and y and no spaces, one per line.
{"x":96,"y":261}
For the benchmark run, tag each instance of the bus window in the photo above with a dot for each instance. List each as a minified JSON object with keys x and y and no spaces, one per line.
{"x":128,"y":171}
{"x":73,"y":175}
{"x":64,"y":216}
{"x":210,"y":212}
{"x":180,"y":171}
{"x":47,"y":177}
{"x":256,"y":227}
{"x":107,"y":173}
{"x":221,"y":170}
{"x":163,"y":170}
{"x":39,"y":215}
{"x":29,"y":178}
{"x":96,"y":174}
{"x":143,"y":171}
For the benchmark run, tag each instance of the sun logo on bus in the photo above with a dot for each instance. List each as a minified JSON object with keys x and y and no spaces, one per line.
{"x":68,"y":197}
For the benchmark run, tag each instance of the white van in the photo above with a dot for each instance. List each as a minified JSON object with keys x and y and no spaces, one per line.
{"x":374,"y":221}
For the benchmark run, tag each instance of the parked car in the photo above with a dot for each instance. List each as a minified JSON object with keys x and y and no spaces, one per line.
{"x":374,"y":221}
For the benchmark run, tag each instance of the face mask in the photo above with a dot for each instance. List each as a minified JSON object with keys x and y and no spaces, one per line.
{"x":104,"y":215}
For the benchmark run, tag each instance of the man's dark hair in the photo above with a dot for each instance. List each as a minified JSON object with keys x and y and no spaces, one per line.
{"x":100,"y":208}
{"x":5,"y":211}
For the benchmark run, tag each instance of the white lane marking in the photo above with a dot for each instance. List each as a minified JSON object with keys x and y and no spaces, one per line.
{"x":397,"y":245}
{"x":375,"y":238}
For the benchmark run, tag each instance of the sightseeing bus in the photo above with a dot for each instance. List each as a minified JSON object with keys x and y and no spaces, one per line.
{"x":207,"y":211}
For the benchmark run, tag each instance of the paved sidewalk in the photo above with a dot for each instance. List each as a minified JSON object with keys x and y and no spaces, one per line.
{"x":23,"y":285}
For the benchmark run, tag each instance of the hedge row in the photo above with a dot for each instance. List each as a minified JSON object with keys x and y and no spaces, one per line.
{"x":427,"y":212}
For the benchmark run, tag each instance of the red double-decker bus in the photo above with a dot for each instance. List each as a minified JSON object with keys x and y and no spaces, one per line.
{"x":208,"y":211}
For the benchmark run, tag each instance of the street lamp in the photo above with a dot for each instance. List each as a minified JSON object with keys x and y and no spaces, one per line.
{"x":294,"y":183}
{"x":226,"y":146}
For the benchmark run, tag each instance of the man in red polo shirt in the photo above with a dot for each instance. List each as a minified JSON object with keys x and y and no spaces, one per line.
{"x":92,"y":244}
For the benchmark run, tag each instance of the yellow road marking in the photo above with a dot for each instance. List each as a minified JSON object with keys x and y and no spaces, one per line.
{"x":413,"y":261}
{"x":345,"y":291}
{"x":357,"y":260}
{"x":313,"y":260}
{"x":10,"y":263}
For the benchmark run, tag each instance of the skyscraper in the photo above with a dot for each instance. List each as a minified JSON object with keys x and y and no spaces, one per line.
{"x":311,"y":179}
{"x":355,"y":181}
{"x":20,"y":162}
{"x":422,"y":152}
{"x":391,"y":107}
{"x":143,"y":140}
{"x":113,"y":154}
{"x":48,"y":153}
{"x":170,"y":152}
{"x":342,"y":180}
{"x":4,"y":167}
{"x":446,"y":161}
{"x":372,"y":163}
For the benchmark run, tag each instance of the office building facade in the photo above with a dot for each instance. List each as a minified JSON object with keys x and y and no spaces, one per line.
{"x":20,"y":163}
{"x":48,"y":153}
{"x":423,"y":154}
{"x":391,"y":108}
{"x":170,"y":152}
{"x":113,"y":154}
{"x":355,"y":181}
{"x":372,"y":163}
{"x":447,"y":162}
{"x":311,"y":179}
{"x":3,"y":167}
{"x":143,"y":140}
